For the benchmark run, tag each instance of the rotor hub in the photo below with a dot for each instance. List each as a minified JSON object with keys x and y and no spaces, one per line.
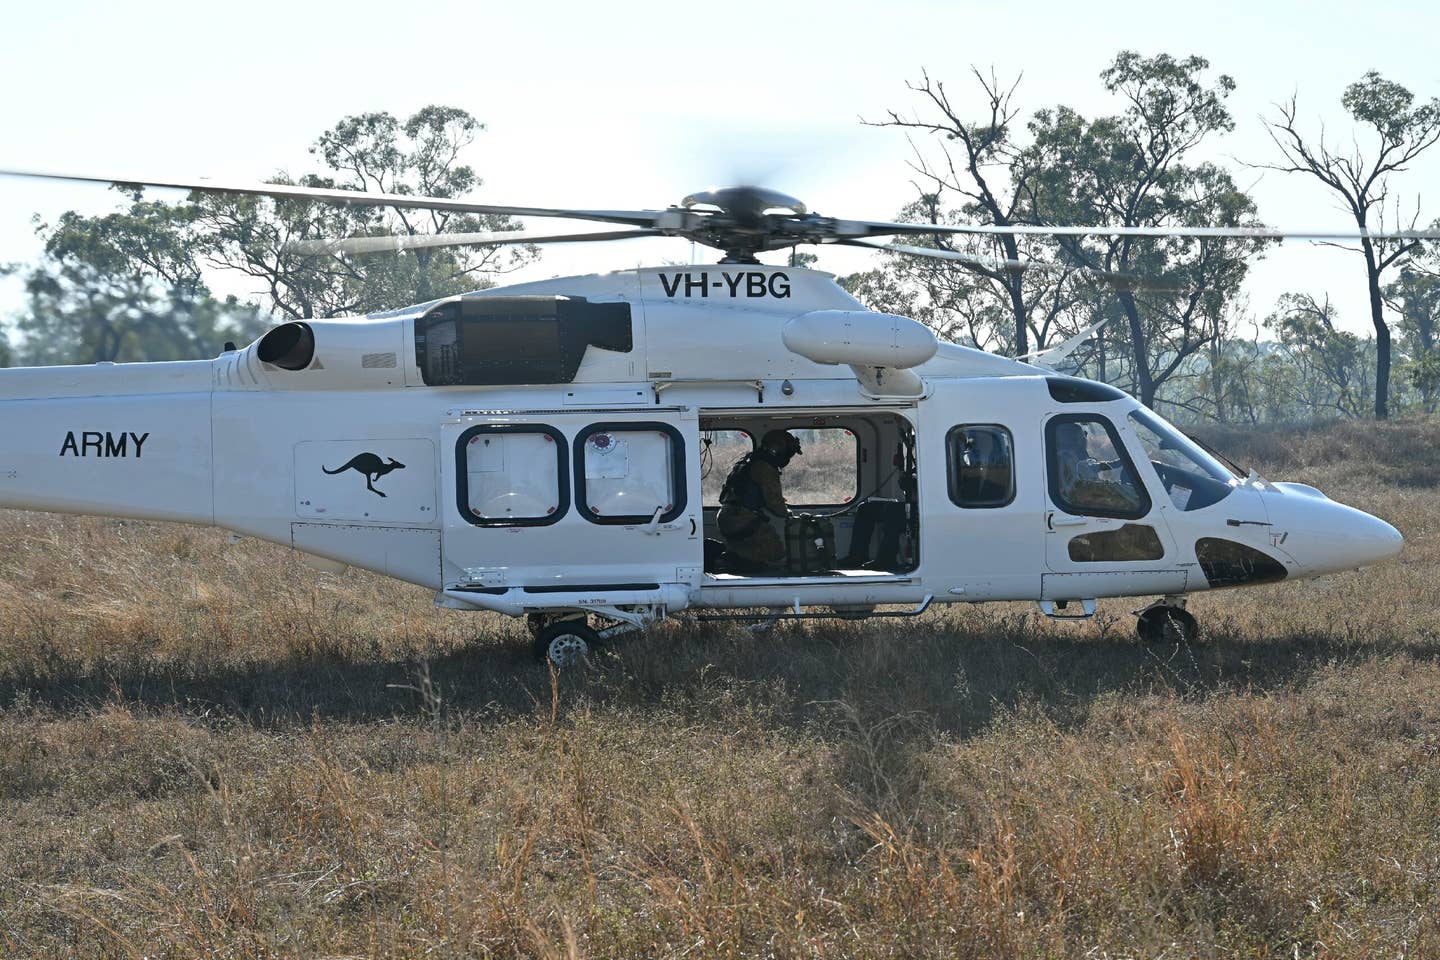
{"x":744,"y":221}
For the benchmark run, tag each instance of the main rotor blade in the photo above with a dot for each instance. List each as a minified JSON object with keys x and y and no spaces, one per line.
{"x":638,"y":218}
{"x":878,"y":229}
{"x":395,"y":244}
{"x":1009,"y":266}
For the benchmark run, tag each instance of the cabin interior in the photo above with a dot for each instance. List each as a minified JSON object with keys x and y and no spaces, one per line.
{"x":845,"y":460}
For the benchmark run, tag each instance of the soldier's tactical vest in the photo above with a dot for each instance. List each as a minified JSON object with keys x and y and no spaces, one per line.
{"x":740,"y":488}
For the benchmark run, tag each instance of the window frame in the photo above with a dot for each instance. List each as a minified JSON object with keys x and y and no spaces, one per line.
{"x":462,"y":474}
{"x":677,"y":470}
{"x":951,"y":475}
{"x":1052,"y":469}
{"x":859,"y":460}
{"x":1212,"y":473}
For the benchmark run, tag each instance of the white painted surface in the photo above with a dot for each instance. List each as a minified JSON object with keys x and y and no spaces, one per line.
{"x":243,"y":445}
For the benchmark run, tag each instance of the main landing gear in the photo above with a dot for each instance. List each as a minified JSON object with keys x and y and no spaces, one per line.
{"x":1167,"y":621}
{"x":566,"y":640}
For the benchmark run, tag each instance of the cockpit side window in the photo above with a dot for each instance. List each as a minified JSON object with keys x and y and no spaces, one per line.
{"x":1090,"y":473}
{"x":1191,"y":477}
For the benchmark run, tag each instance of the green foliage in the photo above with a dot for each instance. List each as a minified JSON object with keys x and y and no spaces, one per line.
{"x":1128,"y":169}
{"x":880,"y":290}
{"x":1163,"y":93}
{"x":1415,"y":297}
{"x":84,"y":310}
{"x":1334,"y":365}
{"x":373,"y":152}
{"x":1388,"y":107}
{"x":1425,"y":375}
{"x":7,"y":355}
{"x":126,"y":287}
{"x":149,"y":238}
{"x":130,"y":285}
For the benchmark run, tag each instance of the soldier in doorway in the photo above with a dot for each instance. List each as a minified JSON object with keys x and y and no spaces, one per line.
{"x":751,"y":498}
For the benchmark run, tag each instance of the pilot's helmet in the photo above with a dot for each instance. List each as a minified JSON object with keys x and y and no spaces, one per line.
{"x":780,"y":444}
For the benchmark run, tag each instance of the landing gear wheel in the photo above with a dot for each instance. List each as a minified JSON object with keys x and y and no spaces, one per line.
{"x":1167,"y":625}
{"x":565,"y":643}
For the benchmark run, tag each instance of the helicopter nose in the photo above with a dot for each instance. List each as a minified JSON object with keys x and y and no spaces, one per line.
{"x":1326,"y":537}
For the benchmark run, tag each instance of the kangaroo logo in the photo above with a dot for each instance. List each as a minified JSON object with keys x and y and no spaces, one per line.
{"x":371,"y":466}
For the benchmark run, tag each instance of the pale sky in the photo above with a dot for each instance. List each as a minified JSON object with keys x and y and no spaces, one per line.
{"x":638,"y":104}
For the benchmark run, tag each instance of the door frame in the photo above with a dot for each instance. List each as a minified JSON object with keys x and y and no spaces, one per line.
{"x":1068,"y":579}
{"x":571,"y":549}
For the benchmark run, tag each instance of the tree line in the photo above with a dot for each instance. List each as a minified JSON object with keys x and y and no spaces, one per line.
{"x":1178,"y":333}
{"x":132,"y":285}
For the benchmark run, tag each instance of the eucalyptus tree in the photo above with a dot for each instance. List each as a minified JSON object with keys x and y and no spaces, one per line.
{"x":421,"y":155}
{"x":1414,"y":296}
{"x":1398,"y":130}
{"x":985,"y":169}
{"x":125,"y":286}
{"x":1333,"y":364}
{"x":132,"y":285}
{"x":1131,"y":169}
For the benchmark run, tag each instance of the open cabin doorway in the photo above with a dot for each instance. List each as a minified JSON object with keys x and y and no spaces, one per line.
{"x":855,"y":477}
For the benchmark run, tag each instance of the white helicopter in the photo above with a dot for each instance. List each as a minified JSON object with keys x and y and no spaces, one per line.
{"x":554,"y":449}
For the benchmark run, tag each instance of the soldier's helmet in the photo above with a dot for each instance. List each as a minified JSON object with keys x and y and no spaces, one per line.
{"x":780,"y":444}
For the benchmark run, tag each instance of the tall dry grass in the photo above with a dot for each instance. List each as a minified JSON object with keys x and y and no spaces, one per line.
{"x":207,"y":749}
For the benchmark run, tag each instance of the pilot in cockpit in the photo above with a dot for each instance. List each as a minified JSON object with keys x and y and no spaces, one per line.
{"x":1080,"y":474}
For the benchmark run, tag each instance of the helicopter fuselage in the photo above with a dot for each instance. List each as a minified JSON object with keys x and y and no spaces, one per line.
{"x":552,"y":448}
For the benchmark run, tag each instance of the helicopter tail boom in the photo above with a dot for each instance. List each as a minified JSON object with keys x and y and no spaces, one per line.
{"x":105,"y":440}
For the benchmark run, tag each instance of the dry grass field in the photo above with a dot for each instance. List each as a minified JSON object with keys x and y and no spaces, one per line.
{"x":206,"y":749}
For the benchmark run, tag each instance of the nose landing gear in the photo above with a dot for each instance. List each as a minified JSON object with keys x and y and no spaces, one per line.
{"x":1166,"y":621}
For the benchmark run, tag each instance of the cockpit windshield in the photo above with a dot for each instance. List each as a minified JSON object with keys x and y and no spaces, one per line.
{"x":1191,"y":477}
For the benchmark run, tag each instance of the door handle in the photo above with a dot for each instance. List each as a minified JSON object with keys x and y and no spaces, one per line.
{"x":1053,"y":520}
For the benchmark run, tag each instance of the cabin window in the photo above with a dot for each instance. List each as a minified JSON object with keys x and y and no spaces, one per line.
{"x":512,"y":475}
{"x":827,"y":471}
{"x":981,"y":471}
{"x":627,"y":472}
{"x":1090,"y":473}
{"x":719,"y":452}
